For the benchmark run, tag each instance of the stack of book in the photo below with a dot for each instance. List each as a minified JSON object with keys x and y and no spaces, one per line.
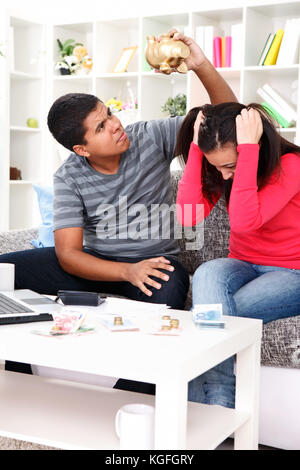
{"x":221,"y":50}
{"x":277,"y":107}
{"x":282,"y":47}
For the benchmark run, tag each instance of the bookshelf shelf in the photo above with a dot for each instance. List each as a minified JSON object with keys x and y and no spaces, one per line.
{"x":21,"y":182}
{"x":33,"y":84}
{"x":24,"y":129}
{"x":288,"y":130}
{"x":18,"y":75}
{"x":230,"y":72}
{"x":276,"y":68}
{"x":63,"y":78}
{"x":118,"y":75}
{"x":162,"y":76}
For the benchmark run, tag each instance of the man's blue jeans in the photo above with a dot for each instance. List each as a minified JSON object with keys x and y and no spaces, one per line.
{"x":244,"y":290}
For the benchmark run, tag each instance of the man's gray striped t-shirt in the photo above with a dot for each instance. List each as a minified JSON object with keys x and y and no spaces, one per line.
{"x":125,"y":214}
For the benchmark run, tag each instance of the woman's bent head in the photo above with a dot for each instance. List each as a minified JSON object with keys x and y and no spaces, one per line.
{"x":217,"y":139}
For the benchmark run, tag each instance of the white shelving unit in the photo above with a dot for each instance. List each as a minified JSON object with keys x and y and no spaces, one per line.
{"x":33,"y":86}
{"x":25,"y":78}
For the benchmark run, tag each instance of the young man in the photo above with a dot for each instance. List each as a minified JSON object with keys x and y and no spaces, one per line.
{"x":105,"y":197}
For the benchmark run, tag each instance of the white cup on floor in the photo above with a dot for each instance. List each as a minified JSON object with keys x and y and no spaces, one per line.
{"x":7,"y":277}
{"x":135,"y":427}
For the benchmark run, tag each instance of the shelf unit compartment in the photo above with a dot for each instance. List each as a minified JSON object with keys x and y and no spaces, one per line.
{"x":64,"y":86}
{"x":221,"y":19}
{"x":27,"y":47}
{"x":162,"y":87}
{"x":222,"y":22}
{"x":125,"y":89}
{"x":263,"y":20}
{"x":23,"y":207}
{"x":26,"y":155}
{"x":199,"y":95}
{"x":80,"y":32}
{"x":26,"y":98}
{"x":283,"y":80}
{"x":111,"y":38}
{"x":289,"y":134}
{"x":121,"y":88}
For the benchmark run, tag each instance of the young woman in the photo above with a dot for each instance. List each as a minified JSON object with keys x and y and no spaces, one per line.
{"x":235,"y":151}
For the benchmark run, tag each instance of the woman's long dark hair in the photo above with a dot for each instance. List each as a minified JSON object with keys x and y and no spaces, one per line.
{"x":218,"y":129}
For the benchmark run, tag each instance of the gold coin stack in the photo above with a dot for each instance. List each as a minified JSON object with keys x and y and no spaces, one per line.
{"x":118,"y":321}
{"x":169,"y":323}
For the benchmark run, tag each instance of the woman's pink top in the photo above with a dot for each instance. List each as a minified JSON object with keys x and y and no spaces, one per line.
{"x":265,"y":224}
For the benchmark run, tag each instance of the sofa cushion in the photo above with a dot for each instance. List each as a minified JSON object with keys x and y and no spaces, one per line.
{"x":216,"y":235}
{"x":45,"y":201}
{"x":17,"y":240}
{"x":281,"y":343}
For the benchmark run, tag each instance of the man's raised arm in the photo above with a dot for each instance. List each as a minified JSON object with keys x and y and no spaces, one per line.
{"x":217,"y":88}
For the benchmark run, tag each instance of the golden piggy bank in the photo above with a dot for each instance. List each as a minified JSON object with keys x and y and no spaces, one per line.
{"x":167,"y":54}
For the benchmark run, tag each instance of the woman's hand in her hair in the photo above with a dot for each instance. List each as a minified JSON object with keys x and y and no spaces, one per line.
{"x":249,"y":127}
{"x":199,"y":119}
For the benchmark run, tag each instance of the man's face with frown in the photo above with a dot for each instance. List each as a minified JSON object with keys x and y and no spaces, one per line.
{"x":105,"y":136}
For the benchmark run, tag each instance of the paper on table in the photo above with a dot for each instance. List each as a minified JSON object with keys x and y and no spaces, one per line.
{"x":117,"y":306}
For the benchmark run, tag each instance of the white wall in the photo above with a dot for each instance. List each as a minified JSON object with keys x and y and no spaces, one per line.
{"x":77,"y":10}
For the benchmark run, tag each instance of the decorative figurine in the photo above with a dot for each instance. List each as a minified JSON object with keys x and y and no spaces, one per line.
{"x":167,"y":54}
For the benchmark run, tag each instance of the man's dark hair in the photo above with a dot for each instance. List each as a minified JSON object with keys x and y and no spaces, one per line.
{"x":66,"y":116}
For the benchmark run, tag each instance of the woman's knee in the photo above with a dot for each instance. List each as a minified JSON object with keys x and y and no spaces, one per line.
{"x":210,"y":271}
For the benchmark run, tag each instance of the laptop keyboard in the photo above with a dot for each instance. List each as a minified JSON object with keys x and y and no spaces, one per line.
{"x":9,"y":306}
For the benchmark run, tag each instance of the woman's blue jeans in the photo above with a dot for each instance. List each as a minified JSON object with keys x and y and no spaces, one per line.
{"x":244,"y":290}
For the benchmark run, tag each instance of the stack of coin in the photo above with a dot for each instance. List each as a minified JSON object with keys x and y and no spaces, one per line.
{"x":118,"y":321}
{"x":174,"y":323}
{"x":168,"y":323}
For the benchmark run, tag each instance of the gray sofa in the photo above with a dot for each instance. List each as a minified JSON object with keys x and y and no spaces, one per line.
{"x":280,"y":354}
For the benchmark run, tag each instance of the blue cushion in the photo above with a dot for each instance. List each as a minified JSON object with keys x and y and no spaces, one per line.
{"x":45,"y":200}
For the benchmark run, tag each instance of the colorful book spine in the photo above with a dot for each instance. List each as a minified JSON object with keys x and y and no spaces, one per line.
{"x":223,"y":51}
{"x":269,"y":99}
{"x":217,"y":51}
{"x":275,"y":115}
{"x":266,"y":48}
{"x":274,"y":49}
{"x":290,"y":113}
{"x":228,"y":51}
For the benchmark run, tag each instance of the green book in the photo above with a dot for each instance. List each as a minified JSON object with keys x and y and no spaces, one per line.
{"x":275,"y":115}
{"x":266,"y":48}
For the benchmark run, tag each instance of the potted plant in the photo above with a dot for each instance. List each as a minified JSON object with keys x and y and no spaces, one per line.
{"x":175,"y":106}
{"x":67,"y":61}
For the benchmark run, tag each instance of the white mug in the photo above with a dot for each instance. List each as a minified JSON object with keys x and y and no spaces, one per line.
{"x":135,"y":427}
{"x":7,"y":276}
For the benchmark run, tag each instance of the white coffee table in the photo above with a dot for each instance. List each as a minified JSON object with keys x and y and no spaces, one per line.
{"x":70,"y":415}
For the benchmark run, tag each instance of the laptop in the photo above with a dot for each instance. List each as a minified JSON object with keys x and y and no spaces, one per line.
{"x":24,"y":306}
